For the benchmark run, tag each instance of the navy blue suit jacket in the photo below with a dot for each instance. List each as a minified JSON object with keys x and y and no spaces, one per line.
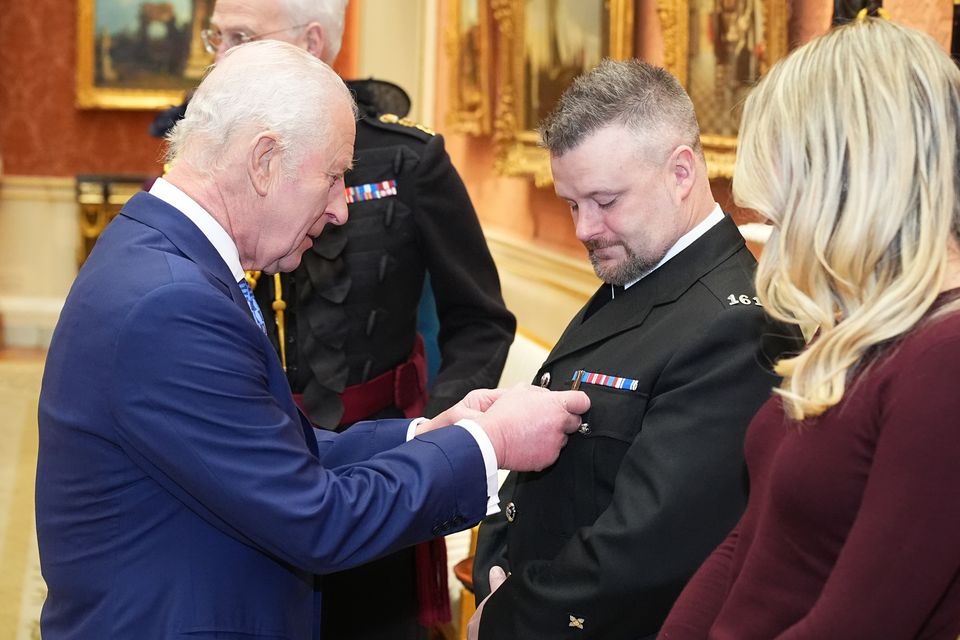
{"x":180,"y":494}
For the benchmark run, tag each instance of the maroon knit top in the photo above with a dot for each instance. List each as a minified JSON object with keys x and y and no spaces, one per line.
{"x":852,"y":529}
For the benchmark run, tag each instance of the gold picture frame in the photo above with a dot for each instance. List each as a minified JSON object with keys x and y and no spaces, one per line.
{"x":516,"y":141}
{"x":728,"y":44}
{"x":141,"y":54}
{"x":468,"y":49}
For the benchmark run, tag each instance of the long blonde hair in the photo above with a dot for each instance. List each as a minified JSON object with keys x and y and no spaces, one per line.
{"x":849,"y":147}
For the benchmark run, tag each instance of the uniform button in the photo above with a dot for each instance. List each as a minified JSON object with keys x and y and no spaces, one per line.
{"x":545,"y":380}
{"x":511,"y":512}
{"x":584,"y":428}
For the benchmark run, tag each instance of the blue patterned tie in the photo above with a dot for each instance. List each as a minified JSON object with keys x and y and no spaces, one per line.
{"x":252,"y":303}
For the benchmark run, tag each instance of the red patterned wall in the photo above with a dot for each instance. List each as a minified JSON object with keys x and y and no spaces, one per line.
{"x":42,"y":133}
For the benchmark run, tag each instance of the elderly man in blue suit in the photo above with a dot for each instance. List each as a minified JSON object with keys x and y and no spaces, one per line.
{"x":180,"y":494}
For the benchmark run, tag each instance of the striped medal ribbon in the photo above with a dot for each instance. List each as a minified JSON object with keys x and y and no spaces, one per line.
{"x":601,"y":379}
{"x":371,"y":191}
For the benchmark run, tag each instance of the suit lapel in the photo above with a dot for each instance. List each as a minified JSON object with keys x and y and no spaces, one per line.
{"x":190,"y":241}
{"x":186,"y":236}
{"x":663,"y":286}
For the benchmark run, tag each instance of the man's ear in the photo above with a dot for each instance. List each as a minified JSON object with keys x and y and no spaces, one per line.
{"x":263,"y":163}
{"x":315,"y":40}
{"x":683,"y":164}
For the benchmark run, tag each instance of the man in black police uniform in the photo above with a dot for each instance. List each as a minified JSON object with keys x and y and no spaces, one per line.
{"x":345,"y":321}
{"x":675,"y":353}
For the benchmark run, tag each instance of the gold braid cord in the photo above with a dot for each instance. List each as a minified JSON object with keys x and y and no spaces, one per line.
{"x":279,"y":306}
{"x":881,"y":13}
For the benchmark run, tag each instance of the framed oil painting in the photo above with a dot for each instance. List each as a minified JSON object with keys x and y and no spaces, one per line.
{"x":133,"y":54}
{"x":468,"y":48}
{"x":719,"y":49}
{"x":543,"y":46}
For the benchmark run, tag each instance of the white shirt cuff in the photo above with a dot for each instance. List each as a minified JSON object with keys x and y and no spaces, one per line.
{"x":412,"y":429}
{"x":486,"y":450}
{"x":489,"y":462}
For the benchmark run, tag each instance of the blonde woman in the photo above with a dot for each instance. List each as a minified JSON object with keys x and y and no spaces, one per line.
{"x":849,"y":147}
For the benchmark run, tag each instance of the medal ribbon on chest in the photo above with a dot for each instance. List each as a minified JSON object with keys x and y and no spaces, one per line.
{"x":371,"y":191}
{"x":601,"y":379}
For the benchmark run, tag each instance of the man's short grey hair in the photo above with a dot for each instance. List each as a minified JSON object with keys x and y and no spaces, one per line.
{"x":328,"y":13}
{"x":263,"y":85}
{"x":632,"y":93}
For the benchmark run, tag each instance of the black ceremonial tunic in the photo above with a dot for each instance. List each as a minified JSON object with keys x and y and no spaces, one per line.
{"x":352,"y":303}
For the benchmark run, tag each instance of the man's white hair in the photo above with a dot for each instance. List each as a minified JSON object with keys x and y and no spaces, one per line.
{"x":330,"y":15}
{"x":265,"y":85}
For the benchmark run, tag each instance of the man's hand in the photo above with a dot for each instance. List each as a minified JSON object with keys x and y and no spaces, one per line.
{"x":472,"y":405}
{"x":528,"y":425}
{"x":497,"y":578}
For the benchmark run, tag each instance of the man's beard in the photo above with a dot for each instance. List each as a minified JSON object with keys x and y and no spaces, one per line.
{"x":630,"y":268}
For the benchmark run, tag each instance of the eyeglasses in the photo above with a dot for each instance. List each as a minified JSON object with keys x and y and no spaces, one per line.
{"x":213,"y":39}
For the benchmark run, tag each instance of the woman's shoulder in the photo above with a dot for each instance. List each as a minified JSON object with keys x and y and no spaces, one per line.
{"x":927,"y":358}
{"x":940,"y":327}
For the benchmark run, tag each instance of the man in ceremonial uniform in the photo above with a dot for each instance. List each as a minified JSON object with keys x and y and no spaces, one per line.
{"x":675,"y":353}
{"x":344,"y":322}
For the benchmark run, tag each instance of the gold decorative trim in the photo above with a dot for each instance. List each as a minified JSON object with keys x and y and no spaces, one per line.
{"x":675,"y":26}
{"x":99,"y":200}
{"x":776,"y":35}
{"x":620,"y":16}
{"x":720,"y":151}
{"x":472,"y":118}
{"x":517,"y":151}
{"x":392,"y":118}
